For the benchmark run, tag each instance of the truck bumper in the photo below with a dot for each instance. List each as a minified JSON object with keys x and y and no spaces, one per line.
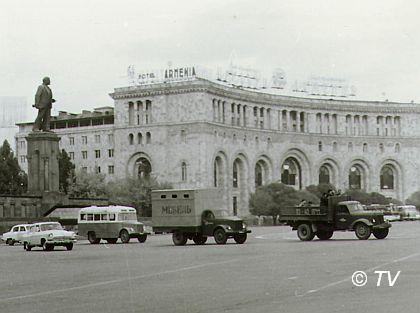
{"x":245,"y":231}
{"x":382,"y":226}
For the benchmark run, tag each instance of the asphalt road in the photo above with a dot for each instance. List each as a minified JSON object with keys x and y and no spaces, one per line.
{"x":272,"y":272}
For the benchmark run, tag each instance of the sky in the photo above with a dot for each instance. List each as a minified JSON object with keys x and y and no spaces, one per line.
{"x":85,"y":46}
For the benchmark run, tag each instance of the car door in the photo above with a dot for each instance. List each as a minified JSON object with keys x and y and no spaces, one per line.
{"x":21,"y":232}
{"x":342,"y":217}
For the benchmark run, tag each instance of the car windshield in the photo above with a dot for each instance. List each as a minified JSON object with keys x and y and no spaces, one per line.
{"x":51,"y":226}
{"x":355,"y":207}
{"x":221,"y":213}
{"x":131,"y":216}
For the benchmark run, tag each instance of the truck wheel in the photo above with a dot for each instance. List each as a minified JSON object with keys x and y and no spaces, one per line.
{"x":199,"y":240}
{"x":305,"y":232}
{"x":362,"y":231}
{"x":381,"y":233}
{"x":142,"y":238}
{"x":220,"y":236}
{"x":239,"y":238}
{"x":124,"y":235}
{"x":179,"y":238}
{"x":324,"y":235}
{"x":111,"y":240}
{"x":92,"y":238}
{"x":69,"y":246}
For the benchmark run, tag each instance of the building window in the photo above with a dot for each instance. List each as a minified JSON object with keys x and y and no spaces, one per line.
{"x":22,"y":159}
{"x":350,"y":147}
{"x":71,"y":140}
{"x":387,"y":177}
{"x":365,"y":147}
{"x":381,"y":147}
{"x":319,"y":145}
{"x":131,"y":139}
{"x":111,"y":153}
{"x":184,"y":136}
{"x":97,"y":154}
{"x":324,"y":175}
{"x":84,"y":155}
{"x":397,"y":148}
{"x":84,"y":169}
{"x":97,"y":169}
{"x":97,"y":138}
{"x":71,"y":155}
{"x":84,"y":140}
{"x":111,"y":169}
{"x":110,"y":138}
{"x":335,"y":147}
{"x":148,"y":137}
{"x":139,"y":139}
{"x":355,"y":178}
{"x":291,"y":173}
{"x":235,"y":175}
{"x":184,"y":171}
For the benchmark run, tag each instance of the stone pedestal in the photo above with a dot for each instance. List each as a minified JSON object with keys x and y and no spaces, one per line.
{"x":43,"y":153}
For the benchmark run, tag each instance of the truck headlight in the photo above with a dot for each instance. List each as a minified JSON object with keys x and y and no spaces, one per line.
{"x":373,"y":220}
{"x":243,"y":225}
{"x":228,"y":227}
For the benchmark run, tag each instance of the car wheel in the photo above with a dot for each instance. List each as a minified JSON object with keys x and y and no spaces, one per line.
{"x":199,"y":239}
{"x":381,"y":233}
{"x":28,"y":247}
{"x":324,"y":235}
{"x":220,"y":236}
{"x":240,"y":238}
{"x":179,"y":238}
{"x":305,"y":232}
{"x":10,"y":241}
{"x":142,"y":238}
{"x":125,"y":237}
{"x":92,"y":238}
{"x":46,"y":246}
{"x":362,"y":231}
{"x":69,"y":246}
{"x":111,"y":240}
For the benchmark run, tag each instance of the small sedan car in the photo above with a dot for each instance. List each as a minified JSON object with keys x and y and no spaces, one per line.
{"x":48,"y":235}
{"x":15,"y":234}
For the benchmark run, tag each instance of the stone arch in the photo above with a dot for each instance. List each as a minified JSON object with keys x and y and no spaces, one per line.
{"x":304,"y":167}
{"x":240,"y":186}
{"x":397,"y":181}
{"x":332,"y":165}
{"x":138,"y":162}
{"x":263,"y":170}
{"x":220,"y":170}
{"x":358,"y":174}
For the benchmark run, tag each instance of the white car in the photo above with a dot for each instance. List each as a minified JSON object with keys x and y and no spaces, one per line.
{"x":48,"y":235}
{"x":15,"y":234}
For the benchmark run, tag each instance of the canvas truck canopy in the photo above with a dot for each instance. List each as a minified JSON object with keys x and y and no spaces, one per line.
{"x":183,"y":207}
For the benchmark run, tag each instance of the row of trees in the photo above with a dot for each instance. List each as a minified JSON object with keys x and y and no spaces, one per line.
{"x":268,"y":200}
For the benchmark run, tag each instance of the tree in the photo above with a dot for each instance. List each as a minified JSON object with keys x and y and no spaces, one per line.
{"x":13,"y":180}
{"x":414,"y":199}
{"x":86,"y":185}
{"x":66,"y":170}
{"x":135,"y":192}
{"x":318,"y":190}
{"x":271,"y":198}
{"x":370,"y":198}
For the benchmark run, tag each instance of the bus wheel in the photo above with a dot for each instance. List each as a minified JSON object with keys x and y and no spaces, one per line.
{"x":125,"y":237}
{"x":142,"y":238}
{"x":199,"y":239}
{"x":220,"y":236}
{"x":305,"y":232}
{"x":92,"y":238}
{"x":362,"y":231}
{"x":179,"y":238}
{"x":111,"y":240}
{"x":240,"y":238}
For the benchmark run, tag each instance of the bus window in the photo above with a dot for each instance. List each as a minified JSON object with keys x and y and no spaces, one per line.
{"x":112,"y":217}
{"x":104,"y":217}
{"x":97,"y":217}
{"x":83,"y":217}
{"x":90,"y":217}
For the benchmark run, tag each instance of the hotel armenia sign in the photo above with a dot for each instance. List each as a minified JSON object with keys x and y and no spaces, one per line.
{"x":167,"y":74}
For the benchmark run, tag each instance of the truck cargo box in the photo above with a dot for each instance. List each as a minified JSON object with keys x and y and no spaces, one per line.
{"x":305,"y":213}
{"x":183,"y":207}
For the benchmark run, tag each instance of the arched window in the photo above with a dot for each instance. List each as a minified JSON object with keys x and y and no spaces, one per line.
{"x":355,"y":177}
{"x":218,"y":172}
{"x":184,"y":171}
{"x":131,"y":139}
{"x":397,"y":148}
{"x":291,"y":173}
{"x":144,"y":168}
{"x":258,"y":174}
{"x":139,"y":138}
{"x":350,"y":147}
{"x":148,"y":137}
{"x":365,"y":147}
{"x":335,"y":147}
{"x":235,"y":183}
{"x":131,"y":113}
{"x":381,"y":147}
{"x":319,"y":145}
{"x":387,"y":177}
{"x":324,"y":175}
{"x":184,"y":135}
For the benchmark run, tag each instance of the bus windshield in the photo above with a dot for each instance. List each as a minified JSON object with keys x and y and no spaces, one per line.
{"x":130,"y":216}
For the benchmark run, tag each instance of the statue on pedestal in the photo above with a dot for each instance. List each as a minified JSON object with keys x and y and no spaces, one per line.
{"x":43,"y":102}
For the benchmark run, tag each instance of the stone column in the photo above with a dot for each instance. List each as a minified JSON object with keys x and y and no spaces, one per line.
{"x":298,"y":121}
{"x":43,"y":153}
{"x":289,"y":124}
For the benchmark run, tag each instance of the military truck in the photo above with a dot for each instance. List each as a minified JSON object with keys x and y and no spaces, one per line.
{"x":338,"y":213}
{"x":195,"y":214}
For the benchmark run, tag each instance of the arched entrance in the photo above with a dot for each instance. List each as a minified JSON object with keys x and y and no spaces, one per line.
{"x":143,"y":168}
{"x":291,"y":173}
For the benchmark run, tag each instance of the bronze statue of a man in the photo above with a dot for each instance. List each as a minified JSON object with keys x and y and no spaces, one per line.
{"x":43,"y":102}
